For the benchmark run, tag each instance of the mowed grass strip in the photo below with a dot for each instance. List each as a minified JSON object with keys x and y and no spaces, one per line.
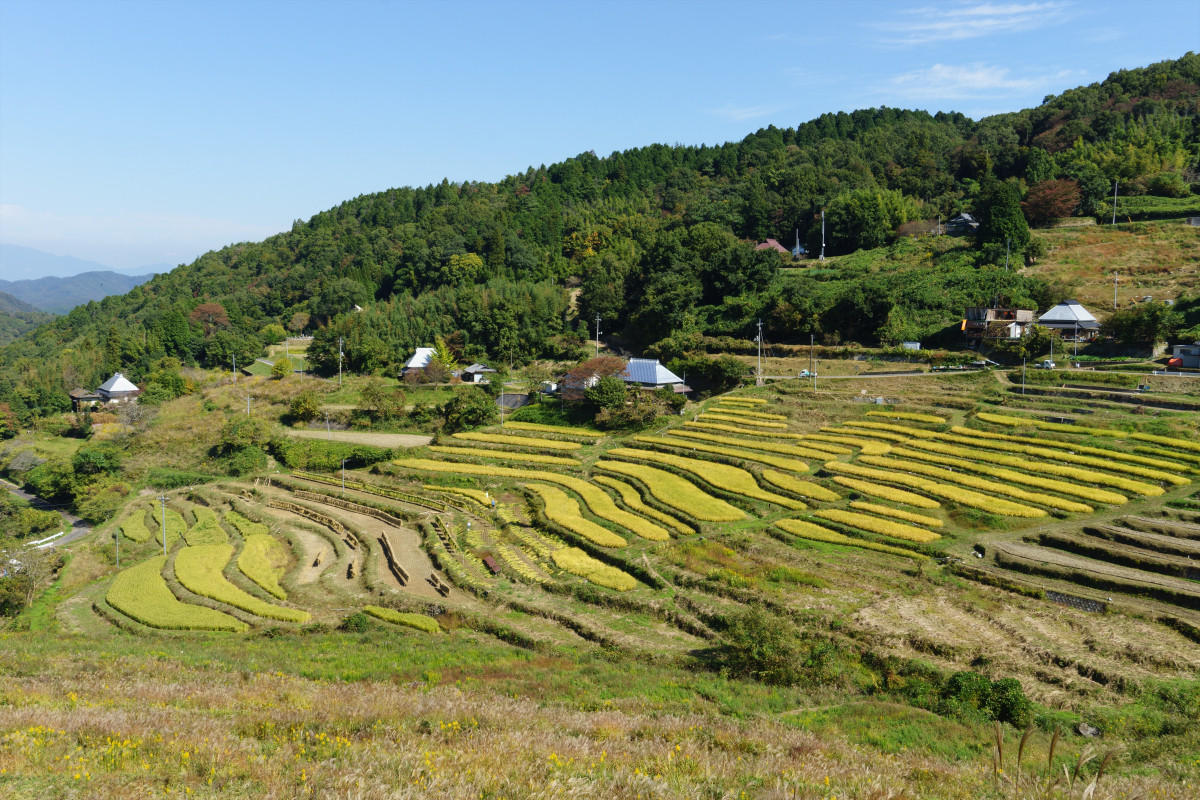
{"x":176,"y":527}
{"x":531,"y":442}
{"x":504,"y":455}
{"x":199,"y":570}
{"x":1074,"y":447}
{"x":677,"y":492}
{"x":723,"y":476}
{"x":819,"y":533}
{"x":262,"y":560}
{"x":865,"y":445}
{"x":134,"y":527}
{"x":757,"y":423}
{"x":886,"y":492}
{"x":1012,"y":476}
{"x":207,"y":529}
{"x":246,"y":527}
{"x":952,"y":492}
{"x":633,"y":498}
{"x":888,"y":511}
{"x":739,"y":411}
{"x":561,"y":508}
{"x":1060,"y":470}
{"x":974,"y":482}
{"x":564,"y":430}
{"x":598,"y":500}
{"x":141,"y":593}
{"x":822,"y":452}
{"x":884,"y":527}
{"x":799,"y":486}
{"x":408,"y":620}
{"x":790,"y":464}
{"x":909,"y":416}
{"x":577,"y":562}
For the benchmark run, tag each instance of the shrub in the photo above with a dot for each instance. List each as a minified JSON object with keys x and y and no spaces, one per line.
{"x":262,"y":560}
{"x":519,"y":441}
{"x":164,"y":478}
{"x":305,"y":406}
{"x":358,"y":622}
{"x":881,"y":526}
{"x":1007,"y":703}
{"x":199,"y":570}
{"x":140,"y":593}
{"x":418,"y":621}
{"x":723,"y":476}
{"x":798,"y":486}
{"x":326,"y":456}
{"x":677,"y":492}
{"x":761,"y":646}
{"x":472,"y":408}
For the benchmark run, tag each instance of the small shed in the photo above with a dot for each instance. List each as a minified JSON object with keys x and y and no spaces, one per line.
{"x":477,"y":373}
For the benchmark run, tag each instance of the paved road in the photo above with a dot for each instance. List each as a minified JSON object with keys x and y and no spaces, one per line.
{"x":79,"y":528}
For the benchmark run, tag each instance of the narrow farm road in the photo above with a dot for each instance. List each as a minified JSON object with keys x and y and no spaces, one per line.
{"x":78,"y":528}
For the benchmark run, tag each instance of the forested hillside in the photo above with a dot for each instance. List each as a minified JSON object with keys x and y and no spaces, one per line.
{"x":659,"y":242}
{"x":18,"y":318}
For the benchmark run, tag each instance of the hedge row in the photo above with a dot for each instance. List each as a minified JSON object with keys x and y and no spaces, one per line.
{"x":141,"y":593}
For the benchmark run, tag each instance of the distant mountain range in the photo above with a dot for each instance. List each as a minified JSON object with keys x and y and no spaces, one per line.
{"x":19,"y":263}
{"x":60,"y":295}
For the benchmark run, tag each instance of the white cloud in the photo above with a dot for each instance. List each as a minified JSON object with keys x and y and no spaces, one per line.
{"x":739,"y":113}
{"x":958,"y":22}
{"x":976,"y":82}
{"x":123,"y":240}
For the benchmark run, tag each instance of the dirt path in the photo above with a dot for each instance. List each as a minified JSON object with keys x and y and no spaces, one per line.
{"x":357,"y":437}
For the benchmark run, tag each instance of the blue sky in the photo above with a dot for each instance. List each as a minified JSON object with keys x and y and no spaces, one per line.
{"x":142,"y":132}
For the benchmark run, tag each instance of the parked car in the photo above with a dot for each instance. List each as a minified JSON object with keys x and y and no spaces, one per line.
{"x":1047,"y":364}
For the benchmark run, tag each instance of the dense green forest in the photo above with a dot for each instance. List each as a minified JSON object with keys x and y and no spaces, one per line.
{"x":658,"y":241}
{"x":18,"y":318}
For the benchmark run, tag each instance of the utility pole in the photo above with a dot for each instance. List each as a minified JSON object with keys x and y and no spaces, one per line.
{"x":1007,"y":250}
{"x":117,"y":542}
{"x":1115,"y":276}
{"x":822,"y":234}
{"x":759,"y":382}
{"x":247,"y":404}
{"x":1076,"y":338}
{"x":343,"y":477}
{"x":327,"y":423}
{"x":1022,"y":375}
{"x":162,"y":498}
{"x":340,"y":340}
{"x":235,"y":369}
{"x":501,"y":403}
{"x":1114,"y":222}
{"x":597,"y":335}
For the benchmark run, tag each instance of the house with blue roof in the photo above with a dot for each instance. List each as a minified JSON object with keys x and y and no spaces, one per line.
{"x":648,"y":373}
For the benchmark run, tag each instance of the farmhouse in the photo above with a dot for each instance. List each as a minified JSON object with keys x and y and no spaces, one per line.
{"x":647,"y":373}
{"x":962,"y":225}
{"x":117,"y":389}
{"x":996,"y":323}
{"x":420,"y":359}
{"x":1072,"y":321}
{"x":773,"y":244}
{"x":477,"y":373}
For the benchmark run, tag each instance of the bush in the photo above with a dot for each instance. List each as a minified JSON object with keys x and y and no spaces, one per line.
{"x":305,"y":406}
{"x":163,"y":478}
{"x":472,"y":408}
{"x":763,"y":647}
{"x":358,"y":622}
